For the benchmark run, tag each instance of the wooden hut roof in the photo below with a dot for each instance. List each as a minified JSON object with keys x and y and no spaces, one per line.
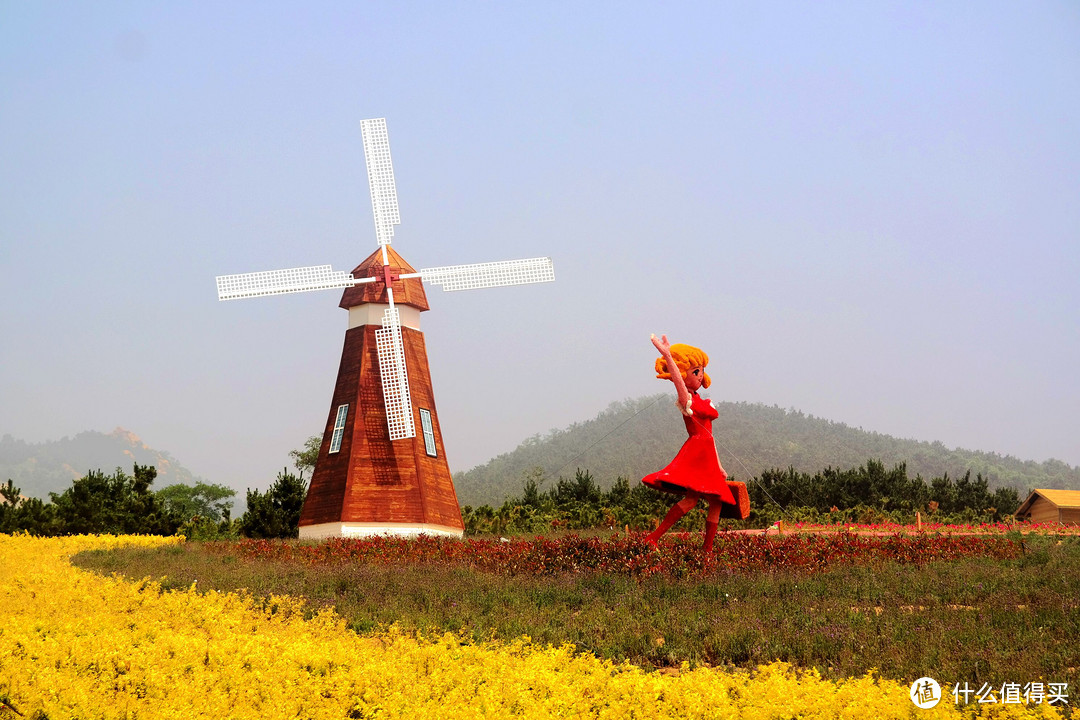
{"x":1060,"y":498}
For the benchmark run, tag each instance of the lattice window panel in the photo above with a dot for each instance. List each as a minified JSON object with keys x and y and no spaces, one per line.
{"x":490,"y":274}
{"x":384,"y":203}
{"x":429,"y":432}
{"x":395,"y":380}
{"x":276,"y":282}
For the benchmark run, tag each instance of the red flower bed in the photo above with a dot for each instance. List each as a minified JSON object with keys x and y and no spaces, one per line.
{"x":679,"y":554}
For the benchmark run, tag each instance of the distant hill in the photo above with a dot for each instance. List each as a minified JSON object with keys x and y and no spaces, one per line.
{"x":41,"y":468}
{"x":635,"y":437}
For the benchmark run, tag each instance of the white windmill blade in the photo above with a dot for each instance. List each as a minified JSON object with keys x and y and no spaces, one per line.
{"x":489,"y":274}
{"x":380,"y":170}
{"x":277,"y":282}
{"x":395,"y":379}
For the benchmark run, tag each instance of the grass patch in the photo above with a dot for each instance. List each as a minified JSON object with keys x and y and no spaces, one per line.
{"x":975,"y":619}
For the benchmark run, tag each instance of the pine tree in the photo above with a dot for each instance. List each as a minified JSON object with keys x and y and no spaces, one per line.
{"x":275,"y":513}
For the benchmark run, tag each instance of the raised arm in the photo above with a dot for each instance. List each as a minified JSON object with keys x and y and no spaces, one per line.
{"x":664,"y":347}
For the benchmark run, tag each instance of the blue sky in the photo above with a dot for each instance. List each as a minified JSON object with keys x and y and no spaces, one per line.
{"x":865,"y":211}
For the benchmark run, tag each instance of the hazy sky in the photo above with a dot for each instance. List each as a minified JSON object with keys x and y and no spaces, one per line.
{"x":866,"y":211}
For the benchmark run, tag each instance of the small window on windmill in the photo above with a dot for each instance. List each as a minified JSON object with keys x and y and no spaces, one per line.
{"x":339,"y":428}
{"x":429,"y":432}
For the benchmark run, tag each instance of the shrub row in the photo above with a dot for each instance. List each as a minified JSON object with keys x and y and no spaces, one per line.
{"x":628,"y":554}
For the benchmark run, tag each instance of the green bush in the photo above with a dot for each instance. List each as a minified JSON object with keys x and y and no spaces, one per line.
{"x":275,"y":513}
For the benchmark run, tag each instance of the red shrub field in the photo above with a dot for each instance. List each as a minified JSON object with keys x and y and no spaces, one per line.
{"x":627,"y":554}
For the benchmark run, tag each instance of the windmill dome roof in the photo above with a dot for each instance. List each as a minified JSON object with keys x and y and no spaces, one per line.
{"x":406,"y":292}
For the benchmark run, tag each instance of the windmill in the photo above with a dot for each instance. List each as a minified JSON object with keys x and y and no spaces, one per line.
{"x":375,"y":474}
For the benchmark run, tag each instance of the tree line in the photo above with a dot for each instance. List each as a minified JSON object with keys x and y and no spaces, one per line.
{"x":871,"y":493}
{"x":868,"y":494}
{"x":125,"y":504}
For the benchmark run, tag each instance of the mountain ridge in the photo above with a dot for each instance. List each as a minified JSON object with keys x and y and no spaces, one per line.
{"x":50,"y":466}
{"x":634,"y":437}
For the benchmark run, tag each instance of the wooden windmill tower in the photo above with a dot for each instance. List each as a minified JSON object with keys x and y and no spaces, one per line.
{"x":375,"y":473}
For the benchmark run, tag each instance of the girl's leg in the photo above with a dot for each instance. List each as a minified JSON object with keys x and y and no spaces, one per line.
{"x":712,"y":521}
{"x":677,"y":511}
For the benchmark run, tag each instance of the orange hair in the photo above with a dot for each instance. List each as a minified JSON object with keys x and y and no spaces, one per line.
{"x":685,"y":357}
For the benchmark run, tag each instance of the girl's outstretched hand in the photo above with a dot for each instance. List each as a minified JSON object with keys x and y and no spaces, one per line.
{"x":662,"y":345}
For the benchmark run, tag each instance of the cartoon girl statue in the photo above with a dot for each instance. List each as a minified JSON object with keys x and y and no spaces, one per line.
{"x":695,"y":473}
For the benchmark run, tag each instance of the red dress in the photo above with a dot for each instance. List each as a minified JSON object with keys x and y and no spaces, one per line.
{"x":697,"y":466}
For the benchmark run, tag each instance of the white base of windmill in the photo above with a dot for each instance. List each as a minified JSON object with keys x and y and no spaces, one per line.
{"x":344,"y":529}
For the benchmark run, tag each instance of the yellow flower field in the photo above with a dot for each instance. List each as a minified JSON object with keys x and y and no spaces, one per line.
{"x":76,"y":645}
